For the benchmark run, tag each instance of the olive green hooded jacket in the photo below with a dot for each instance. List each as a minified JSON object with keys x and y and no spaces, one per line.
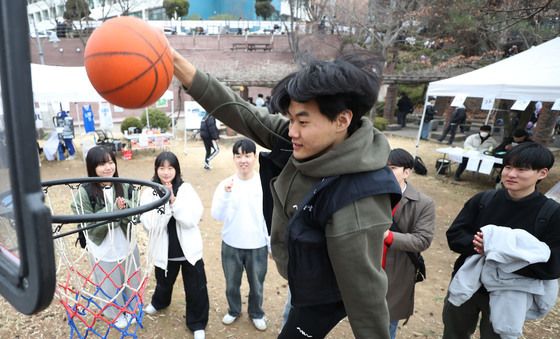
{"x":354,"y":233}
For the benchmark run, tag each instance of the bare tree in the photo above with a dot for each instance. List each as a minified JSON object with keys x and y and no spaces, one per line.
{"x":126,"y":6}
{"x":292,"y":27}
{"x":389,"y":22}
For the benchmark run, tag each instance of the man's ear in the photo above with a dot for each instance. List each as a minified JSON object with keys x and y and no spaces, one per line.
{"x":343,"y":120}
{"x":542,"y":173}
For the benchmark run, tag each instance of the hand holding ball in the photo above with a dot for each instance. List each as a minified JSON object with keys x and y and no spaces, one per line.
{"x":129,"y":62}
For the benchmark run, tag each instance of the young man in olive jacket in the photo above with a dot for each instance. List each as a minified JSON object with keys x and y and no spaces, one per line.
{"x":323,"y":107}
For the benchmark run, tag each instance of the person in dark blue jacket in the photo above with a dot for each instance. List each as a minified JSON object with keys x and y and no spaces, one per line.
{"x":209,"y":134}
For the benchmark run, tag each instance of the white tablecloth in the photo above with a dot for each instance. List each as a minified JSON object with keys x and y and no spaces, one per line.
{"x":478,"y":161}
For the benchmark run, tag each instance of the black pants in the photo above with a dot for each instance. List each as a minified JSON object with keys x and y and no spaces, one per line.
{"x":460,"y":321}
{"x":194,"y":284}
{"x":452,"y":129}
{"x":461,"y":168}
{"x":312,"y":321}
{"x":401,"y":118}
{"x":211,"y":150}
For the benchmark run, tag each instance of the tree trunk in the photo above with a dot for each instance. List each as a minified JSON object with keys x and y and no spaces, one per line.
{"x":392,"y":90}
{"x":390,"y":102}
{"x":545,"y":125}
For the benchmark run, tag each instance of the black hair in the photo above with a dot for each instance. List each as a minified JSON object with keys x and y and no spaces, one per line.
{"x":244,"y":146}
{"x":431,"y":98}
{"x":350,"y":82}
{"x":486,"y":128}
{"x":171,"y":158}
{"x":400,"y":158}
{"x":520,"y":133}
{"x":99,"y":155}
{"x":529,"y":155}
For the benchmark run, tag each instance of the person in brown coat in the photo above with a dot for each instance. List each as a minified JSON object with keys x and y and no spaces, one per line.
{"x":412,"y":231}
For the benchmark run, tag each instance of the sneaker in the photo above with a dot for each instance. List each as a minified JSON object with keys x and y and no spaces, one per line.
{"x":207,"y":167}
{"x":70,"y":158}
{"x":228,"y":319}
{"x":199,"y":334}
{"x":121,"y":322}
{"x":260,"y":324}
{"x":131,"y":319}
{"x":150,"y":309}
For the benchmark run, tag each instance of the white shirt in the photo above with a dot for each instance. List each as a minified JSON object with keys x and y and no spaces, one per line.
{"x":115,"y":246}
{"x":187,"y":211}
{"x":474,"y":142}
{"x":241,"y":212}
{"x":259,"y":102}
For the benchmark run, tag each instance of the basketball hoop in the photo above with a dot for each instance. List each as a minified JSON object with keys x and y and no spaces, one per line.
{"x":101,"y":293}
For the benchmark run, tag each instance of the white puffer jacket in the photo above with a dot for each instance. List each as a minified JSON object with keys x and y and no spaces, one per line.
{"x":187,"y":211}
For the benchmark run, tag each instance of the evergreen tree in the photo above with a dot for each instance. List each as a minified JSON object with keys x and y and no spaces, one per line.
{"x":179,"y":7}
{"x":264,"y":8}
{"x":76,"y":9}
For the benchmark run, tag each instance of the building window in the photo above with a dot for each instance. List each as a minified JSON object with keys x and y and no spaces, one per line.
{"x":46,"y":14}
{"x":38,"y":17}
{"x":157,"y":14}
{"x":60,"y":10}
{"x":137,"y":14}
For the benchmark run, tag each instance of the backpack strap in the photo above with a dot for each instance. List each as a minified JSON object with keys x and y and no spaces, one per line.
{"x":487,"y":196}
{"x":545,"y":214}
{"x":543,"y":217}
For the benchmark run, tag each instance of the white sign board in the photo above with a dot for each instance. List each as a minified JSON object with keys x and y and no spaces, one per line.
{"x":193,"y":115}
{"x":105,"y":116}
{"x":487,"y":103}
{"x":458,"y":100}
{"x":161,"y":102}
{"x":520,"y":104}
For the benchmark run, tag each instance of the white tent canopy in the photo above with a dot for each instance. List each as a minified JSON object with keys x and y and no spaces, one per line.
{"x":65,"y":84}
{"x":533,"y":74}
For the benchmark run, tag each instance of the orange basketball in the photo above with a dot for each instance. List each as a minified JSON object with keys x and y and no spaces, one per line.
{"x":129,"y":62}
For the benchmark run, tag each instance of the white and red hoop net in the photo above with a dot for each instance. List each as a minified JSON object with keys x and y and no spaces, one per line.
{"x":103,"y":296}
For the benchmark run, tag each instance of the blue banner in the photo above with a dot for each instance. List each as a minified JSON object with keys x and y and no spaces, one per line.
{"x":89,"y":123}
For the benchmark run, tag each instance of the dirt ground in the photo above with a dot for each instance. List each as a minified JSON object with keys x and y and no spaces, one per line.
{"x":170,"y":323}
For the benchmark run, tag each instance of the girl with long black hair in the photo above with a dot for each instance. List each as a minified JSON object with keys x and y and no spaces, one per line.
{"x":176,"y":244}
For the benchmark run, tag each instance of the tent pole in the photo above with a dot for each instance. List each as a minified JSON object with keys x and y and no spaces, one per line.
{"x":488,"y":115}
{"x":172,"y":118}
{"x":77,"y":107}
{"x":147,"y":119}
{"x":421,"y":125}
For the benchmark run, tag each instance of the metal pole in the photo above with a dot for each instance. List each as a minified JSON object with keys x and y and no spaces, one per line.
{"x":39,"y":46}
{"x":78,"y":111}
{"x":173,"y":116}
{"x":421,"y":125}
{"x":147,"y":118}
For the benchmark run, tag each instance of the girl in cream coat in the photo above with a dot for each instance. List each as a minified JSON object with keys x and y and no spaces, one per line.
{"x":175,"y":244}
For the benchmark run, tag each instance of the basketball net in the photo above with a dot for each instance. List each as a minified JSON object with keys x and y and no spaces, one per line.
{"x":102,"y":286}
